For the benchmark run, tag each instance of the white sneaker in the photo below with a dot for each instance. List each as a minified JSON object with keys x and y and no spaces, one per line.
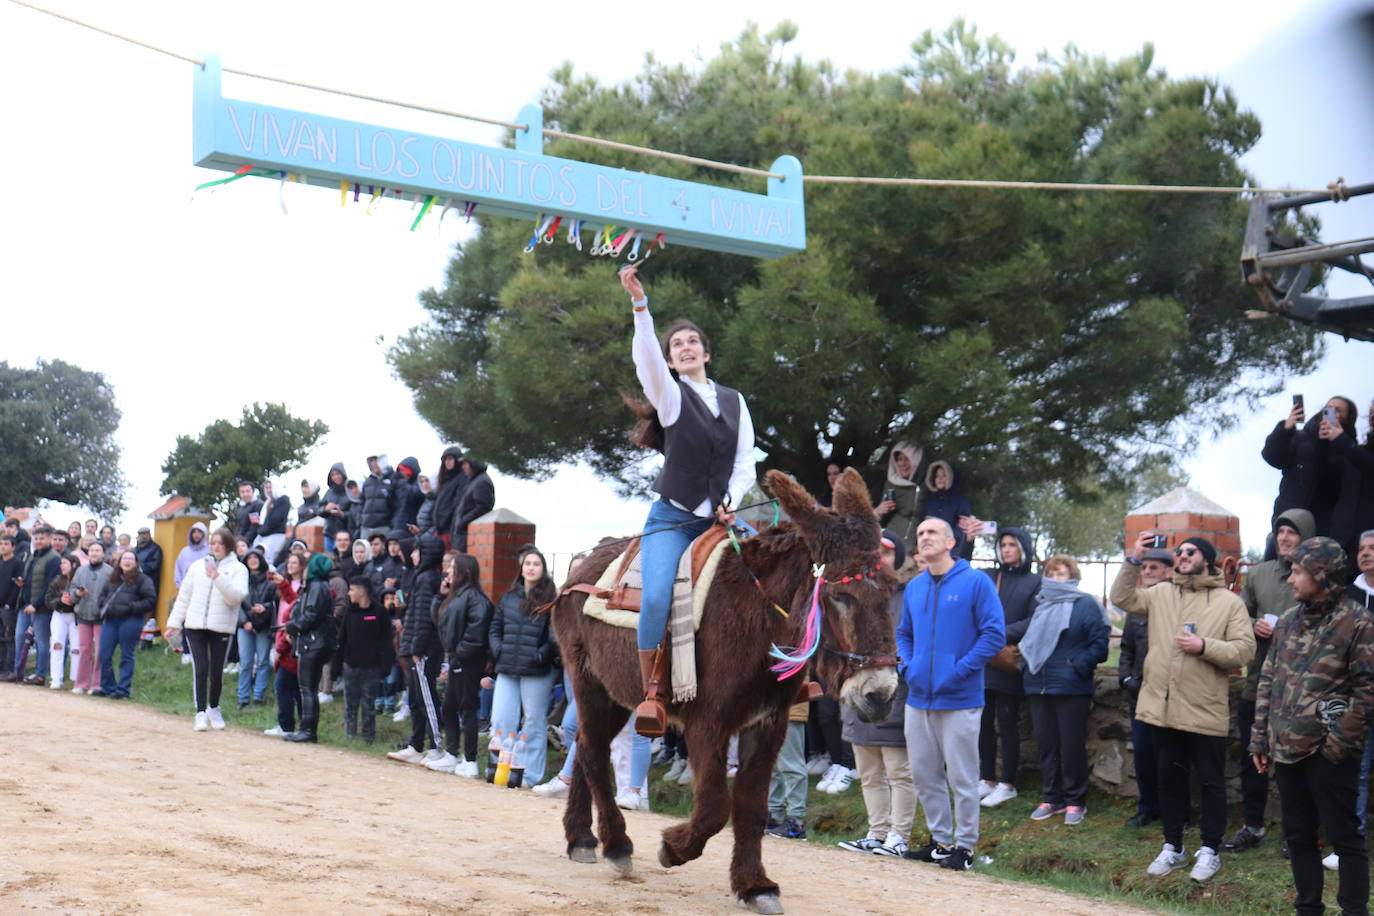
{"x":841,"y":780}
{"x":216,"y":718}
{"x":894,"y":846}
{"x":679,"y":764}
{"x":1169,"y":859}
{"x":444,"y":763}
{"x":432,"y":755}
{"x":78,"y":690}
{"x":186,"y":658}
{"x":632,"y":800}
{"x":555,"y":788}
{"x":1000,"y":793}
{"x":818,"y":764}
{"x":56,"y":685}
{"x":823,"y":785}
{"x":407,"y":754}
{"x":275,"y":731}
{"x":231,"y":668}
{"x":467,"y":769}
{"x":1332,"y":862}
{"x":202,"y":722}
{"x":1208,"y":864}
{"x":686,"y":778}
{"x":731,"y":772}
{"x":326,"y":697}
{"x":402,"y":713}
{"x":984,"y":789}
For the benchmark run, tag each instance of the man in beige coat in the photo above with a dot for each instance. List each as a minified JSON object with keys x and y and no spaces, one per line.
{"x":1199,"y":632}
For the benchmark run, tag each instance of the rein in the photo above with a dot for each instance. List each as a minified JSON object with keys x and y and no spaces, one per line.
{"x":792,"y":659}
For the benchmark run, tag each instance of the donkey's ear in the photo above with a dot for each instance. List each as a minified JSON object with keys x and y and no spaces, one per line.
{"x":799,"y":505}
{"x":851,"y":496}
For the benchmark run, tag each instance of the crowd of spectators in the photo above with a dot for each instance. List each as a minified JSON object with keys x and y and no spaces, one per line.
{"x":392,"y":610}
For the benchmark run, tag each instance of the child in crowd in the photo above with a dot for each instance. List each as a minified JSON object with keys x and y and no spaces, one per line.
{"x":365,"y":645}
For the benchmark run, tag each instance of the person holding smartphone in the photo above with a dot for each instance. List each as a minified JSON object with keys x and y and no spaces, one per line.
{"x":1311,"y":470}
{"x":207,"y":608}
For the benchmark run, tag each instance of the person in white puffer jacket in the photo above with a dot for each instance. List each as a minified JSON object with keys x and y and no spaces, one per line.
{"x":207,"y":609}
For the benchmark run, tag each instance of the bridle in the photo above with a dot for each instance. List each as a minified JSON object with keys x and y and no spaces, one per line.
{"x":792,"y":660}
{"x":854,"y":662}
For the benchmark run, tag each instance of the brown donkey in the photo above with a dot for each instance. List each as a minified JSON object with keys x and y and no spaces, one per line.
{"x":736,"y":691}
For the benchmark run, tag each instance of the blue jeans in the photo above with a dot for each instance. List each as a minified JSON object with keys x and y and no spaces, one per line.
{"x":569,"y":728}
{"x":512,"y":696}
{"x":641,"y":754}
{"x":121,"y":633}
{"x":1362,"y":800}
{"x":254,"y":668}
{"x":659,"y":553}
{"x":288,"y":699}
{"x":42,"y":640}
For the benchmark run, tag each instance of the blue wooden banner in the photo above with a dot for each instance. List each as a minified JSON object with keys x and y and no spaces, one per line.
{"x":520,"y":183}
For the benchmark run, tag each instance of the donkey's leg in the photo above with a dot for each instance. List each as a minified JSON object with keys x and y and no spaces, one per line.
{"x":749,"y":814}
{"x":598,"y":721}
{"x":577,"y":816}
{"x":710,"y":800}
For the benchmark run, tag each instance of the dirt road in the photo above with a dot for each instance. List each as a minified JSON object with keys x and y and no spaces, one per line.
{"x":113,"y":808}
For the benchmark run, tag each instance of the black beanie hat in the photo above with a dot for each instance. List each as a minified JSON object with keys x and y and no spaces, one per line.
{"x":898,"y":548}
{"x":1209,"y":552}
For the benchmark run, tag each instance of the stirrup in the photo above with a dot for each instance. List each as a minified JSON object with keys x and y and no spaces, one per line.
{"x":651,"y":718}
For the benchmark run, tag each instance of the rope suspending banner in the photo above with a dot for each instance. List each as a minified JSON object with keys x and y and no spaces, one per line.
{"x":1334,"y":189}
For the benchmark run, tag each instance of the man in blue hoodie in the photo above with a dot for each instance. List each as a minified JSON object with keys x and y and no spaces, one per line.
{"x":951,"y":627}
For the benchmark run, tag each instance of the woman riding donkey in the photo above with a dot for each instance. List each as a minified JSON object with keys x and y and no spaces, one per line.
{"x":706,"y":436}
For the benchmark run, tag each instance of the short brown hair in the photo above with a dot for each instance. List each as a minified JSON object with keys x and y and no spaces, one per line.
{"x":1066,"y":561}
{"x":682,"y":324}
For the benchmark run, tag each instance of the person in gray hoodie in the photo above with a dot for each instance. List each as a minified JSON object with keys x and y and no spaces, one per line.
{"x":88,"y":587}
{"x":1002,"y":690}
{"x":197,"y":548}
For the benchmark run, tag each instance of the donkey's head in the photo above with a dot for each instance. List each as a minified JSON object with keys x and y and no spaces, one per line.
{"x":857,"y":656}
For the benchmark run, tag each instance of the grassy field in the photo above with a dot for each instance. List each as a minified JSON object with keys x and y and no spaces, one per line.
{"x":1099,"y":858}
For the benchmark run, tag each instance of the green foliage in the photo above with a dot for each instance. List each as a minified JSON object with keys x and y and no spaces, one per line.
{"x":267,"y":440}
{"x":1045,"y":340}
{"x":1088,"y":526}
{"x":58,"y":424}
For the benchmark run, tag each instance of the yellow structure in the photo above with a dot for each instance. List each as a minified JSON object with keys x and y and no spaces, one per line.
{"x":172,"y":522}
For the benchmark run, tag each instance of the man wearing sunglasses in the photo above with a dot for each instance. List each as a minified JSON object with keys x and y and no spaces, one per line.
{"x":1198,"y":632}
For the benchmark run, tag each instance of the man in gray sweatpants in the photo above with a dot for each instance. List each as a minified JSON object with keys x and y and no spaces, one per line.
{"x":951,"y":626}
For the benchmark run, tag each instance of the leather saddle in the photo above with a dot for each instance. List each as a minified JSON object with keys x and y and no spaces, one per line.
{"x":627,"y":586}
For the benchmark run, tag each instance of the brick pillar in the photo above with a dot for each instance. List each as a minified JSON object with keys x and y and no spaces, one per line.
{"x":1183,"y":514}
{"x":494,"y":539}
{"x":313,"y":535}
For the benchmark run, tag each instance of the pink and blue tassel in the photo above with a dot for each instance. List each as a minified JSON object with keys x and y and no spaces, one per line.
{"x":794,"y":660}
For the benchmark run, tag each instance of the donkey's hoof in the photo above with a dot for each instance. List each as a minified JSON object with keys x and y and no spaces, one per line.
{"x":584,"y":854}
{"x":666,"y":857}
{"x":765,"y":903}
{"x":623,"y":865}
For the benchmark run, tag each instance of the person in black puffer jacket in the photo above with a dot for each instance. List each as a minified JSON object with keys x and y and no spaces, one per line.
{"x":129,"y":598}
{"x":448,"y":490}
{"x":464,"y":624}
{"x":378,"y":498}
{"x":255,"y":636}
{"x":311,"y":629}
{"x":249,"y":505}
{"x":1002,"y":691}
{"x":479,"y":497}
{"x":420,"y":644}
{"x":407,"y":496}
{"x":336,"y":504}
{"x":523,"y":652}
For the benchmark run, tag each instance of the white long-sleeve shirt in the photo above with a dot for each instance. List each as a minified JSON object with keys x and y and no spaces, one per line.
{"x":662,"y":391}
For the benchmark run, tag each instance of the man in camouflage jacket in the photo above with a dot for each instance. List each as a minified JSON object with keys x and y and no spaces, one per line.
{"x":1313,"y":705}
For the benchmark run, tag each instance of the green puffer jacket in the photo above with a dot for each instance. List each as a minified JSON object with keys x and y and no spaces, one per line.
{"x":1316,"y":692}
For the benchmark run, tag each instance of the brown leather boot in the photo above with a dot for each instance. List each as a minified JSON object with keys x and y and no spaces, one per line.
{"x":651,"y":717}
{"x":808,"y":691}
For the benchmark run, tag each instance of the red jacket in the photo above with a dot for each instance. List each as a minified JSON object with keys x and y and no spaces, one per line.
{"x":285,"y":657}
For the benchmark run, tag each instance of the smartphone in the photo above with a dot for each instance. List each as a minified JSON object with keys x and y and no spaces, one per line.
{"x":889,"y":496}
{"x":1330,"y":416}
{"x":1297,"y":400}
{"x":989,"y":529}
{"x":1190,"y":628}
{"x":1159,"y":541}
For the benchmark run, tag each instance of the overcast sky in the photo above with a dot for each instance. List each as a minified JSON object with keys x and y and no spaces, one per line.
{"x":194,"y":308}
